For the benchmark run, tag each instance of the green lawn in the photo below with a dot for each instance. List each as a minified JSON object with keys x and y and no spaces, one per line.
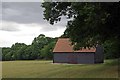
{"x":46,"y":69}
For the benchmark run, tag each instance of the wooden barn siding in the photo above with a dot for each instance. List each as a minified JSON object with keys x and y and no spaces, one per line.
{"x":81,"y":58}
{"x":60,"y":58}
{"x":86,"y":58}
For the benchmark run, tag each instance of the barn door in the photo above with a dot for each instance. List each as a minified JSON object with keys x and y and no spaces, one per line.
{"x":73,"y":58}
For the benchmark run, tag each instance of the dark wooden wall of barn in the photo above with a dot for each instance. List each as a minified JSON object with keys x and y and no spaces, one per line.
{"x":74,"y":58}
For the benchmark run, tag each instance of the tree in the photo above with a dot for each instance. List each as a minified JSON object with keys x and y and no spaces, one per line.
{"x":37,"y":44}
{"x":8,"y":57}
{"x":90,"y":23}
{"x":21,"y":53}
{"x":4,"y":52}
{"x":17,"y":51}
{"x":46,"y":52}
{"x":111,"y":49}
{"x":41,"y":48}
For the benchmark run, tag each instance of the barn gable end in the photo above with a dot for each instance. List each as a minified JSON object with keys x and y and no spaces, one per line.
{"x":99,"y":57}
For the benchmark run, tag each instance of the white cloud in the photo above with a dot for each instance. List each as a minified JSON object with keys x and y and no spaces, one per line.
{"x":9,"y":26}
{"x":23,"y":21}
{"x":56,"y":33}
{"x":25,"y":32}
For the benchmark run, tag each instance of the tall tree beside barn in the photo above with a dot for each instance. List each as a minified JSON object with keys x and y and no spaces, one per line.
{"x":89,"y":24}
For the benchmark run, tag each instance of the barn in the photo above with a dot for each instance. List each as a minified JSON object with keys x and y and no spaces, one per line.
{"x":64,"y":53}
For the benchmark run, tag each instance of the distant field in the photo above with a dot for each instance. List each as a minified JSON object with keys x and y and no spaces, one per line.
{"x":45,"y":69}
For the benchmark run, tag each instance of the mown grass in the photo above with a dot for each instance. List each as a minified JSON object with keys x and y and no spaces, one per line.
{"x":46,"y":69}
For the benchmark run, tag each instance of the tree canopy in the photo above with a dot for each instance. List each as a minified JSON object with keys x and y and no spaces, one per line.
{"x":41,"y":48}
{"x":89,"y":24}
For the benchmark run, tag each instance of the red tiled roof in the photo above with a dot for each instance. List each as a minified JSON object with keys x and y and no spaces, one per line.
{"x":64,"y":45}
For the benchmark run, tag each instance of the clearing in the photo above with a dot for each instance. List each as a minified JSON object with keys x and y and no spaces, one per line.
{"x":46,"y":69}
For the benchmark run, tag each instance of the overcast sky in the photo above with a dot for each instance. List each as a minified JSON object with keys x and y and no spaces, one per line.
{"x":23,"y":21}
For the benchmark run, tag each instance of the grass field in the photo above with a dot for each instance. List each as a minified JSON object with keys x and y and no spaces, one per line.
{"x":46,"y":69}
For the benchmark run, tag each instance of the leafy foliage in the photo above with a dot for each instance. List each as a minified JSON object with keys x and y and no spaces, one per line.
{"x":41,"y":48}
{"x":111,"y":49}
{"x":46,"y":52}
{"x":89,"y":24}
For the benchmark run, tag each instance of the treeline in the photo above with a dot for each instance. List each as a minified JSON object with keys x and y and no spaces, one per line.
{"x":41,"y":48}
{"x":111,"y":49}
